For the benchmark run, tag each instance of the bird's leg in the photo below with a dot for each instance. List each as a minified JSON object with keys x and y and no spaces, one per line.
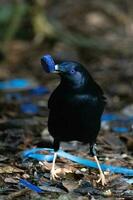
{"x":102,"y":176}
{"x":53,"y":174}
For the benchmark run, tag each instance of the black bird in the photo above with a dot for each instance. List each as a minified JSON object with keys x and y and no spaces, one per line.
{"x":76,"y":106}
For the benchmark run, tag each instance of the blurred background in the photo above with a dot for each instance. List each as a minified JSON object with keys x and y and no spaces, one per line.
{"x":97,"y":33}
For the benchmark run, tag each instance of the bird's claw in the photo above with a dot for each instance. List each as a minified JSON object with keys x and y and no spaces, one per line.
{"x":53,"y":175}
{"x":102,"y":179}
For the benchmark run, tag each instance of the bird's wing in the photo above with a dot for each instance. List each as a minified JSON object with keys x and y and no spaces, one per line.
{"x":96,"y":90}
{"x":55,"y":98}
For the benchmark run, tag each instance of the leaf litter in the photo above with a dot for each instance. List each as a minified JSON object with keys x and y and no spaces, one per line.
{"x":76,"y":181}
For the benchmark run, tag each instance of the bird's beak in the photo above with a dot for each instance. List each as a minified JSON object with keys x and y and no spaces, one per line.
{"x":57,"y":70}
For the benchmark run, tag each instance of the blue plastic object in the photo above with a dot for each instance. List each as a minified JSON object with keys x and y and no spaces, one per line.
{"x":109,"y":117}
{"x":15,"y":84}
{"x":38,"y":91}
{"x":29,"y":108}
{"x":41,"y":157}
{"x":120,"y":129}
{"x":88,"y":163}
{"x":30,"y":186}
{"x":116,"y":123}
{"x":48,"y":63}
{"x":26,"y":153}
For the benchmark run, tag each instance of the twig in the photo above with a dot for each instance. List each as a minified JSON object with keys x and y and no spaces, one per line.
{"x":17,"y":194}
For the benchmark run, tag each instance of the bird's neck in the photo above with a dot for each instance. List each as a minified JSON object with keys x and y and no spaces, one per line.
{"x":73,"y":84}
{"x":72,"y":87}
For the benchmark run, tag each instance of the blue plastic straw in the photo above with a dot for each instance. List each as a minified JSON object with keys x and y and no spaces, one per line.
{"x":41,"y":157}
{"x":88,"y":163}
{"x":30,"y":186}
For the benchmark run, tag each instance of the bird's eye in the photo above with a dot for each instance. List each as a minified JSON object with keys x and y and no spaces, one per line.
{"x":72,"y":71}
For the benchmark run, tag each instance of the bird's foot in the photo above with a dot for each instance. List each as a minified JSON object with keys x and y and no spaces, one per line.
{"x":102,"y":179}
{"x":53,"y":175}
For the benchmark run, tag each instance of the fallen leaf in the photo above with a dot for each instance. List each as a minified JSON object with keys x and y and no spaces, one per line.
{"x":10,"y":169}
{"x":10,"y":180}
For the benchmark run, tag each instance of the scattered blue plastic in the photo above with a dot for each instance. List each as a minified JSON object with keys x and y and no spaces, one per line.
{"x":48,"y":63}
{"x":109,"y":117}
{"x":15,"y":84}
{"x":29,"y":108}
{"x":88,"y":163}
{"x":30,"y":186}
{"x":118,"y":124}
{"x":34,"y":150}
{"x":120,"y":129}
{"x":38,"y":91}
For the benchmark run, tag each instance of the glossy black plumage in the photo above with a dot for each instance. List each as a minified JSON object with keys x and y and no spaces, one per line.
{"x":76,"y":106}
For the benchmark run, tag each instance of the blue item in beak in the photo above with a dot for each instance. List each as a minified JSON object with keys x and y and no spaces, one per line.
{"x":48,"y":63}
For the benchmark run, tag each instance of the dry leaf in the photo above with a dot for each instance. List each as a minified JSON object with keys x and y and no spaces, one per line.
{"x":10,"y":169}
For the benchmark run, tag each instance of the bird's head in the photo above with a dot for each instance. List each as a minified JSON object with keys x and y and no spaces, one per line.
{"x":72,"y":73}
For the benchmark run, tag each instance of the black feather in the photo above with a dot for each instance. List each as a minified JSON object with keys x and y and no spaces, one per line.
{"x":76,"y":106}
